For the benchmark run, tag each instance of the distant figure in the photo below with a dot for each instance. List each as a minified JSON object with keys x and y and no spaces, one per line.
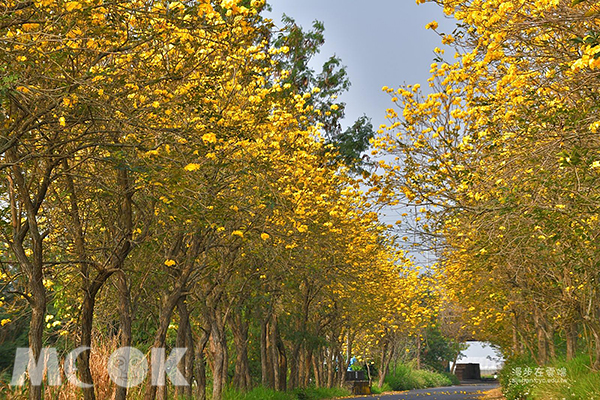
{"x":352,"y":361}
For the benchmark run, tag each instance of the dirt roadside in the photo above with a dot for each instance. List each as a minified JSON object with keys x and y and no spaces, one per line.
{"x":495,"y":394}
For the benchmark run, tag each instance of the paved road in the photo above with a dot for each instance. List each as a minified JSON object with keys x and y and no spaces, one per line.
{"x":464,"y":392}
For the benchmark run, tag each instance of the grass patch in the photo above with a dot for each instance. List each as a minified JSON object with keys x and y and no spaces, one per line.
{"x":375,"y":389}
{"x":573,"y":380}
{"x":404,"y":377}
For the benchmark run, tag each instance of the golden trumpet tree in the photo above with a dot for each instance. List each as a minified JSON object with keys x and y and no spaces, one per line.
{"x":501,"y":159}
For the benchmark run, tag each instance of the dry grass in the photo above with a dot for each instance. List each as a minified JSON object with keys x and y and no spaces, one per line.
{"x":495,"y":394}
{"x":101,"y":351}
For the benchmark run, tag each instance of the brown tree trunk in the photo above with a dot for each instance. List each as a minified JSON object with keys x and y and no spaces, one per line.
{"x":36,"y":326}
{"x":273,"y":333}
{"x":550,"y":340}
{"x":571,"y":337}
{"x":160,"y":336}
{"x":201,"y":371}
{"x":239,"y":330}
{"x":218,"y":349}
{"x":317,"y":366}
{"x":385,"y":363}
{"x":307,"y":366}
{"x":542,"y":346}
{"x":515,"y":340}
{"x":282,"y":384}
{"x":124,"y":307}
{"x":21,"y":196}
{"x":266,"y":364}
{"x":87,"y":320}
{"x":185,"y":340}
{"x":295,"y":366}
{"x":170,"y":302}
{"x":419,"y":351}
{"x":330,"y":367}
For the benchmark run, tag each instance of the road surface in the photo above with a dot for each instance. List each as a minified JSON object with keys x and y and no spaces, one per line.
{"x":464,"y":392}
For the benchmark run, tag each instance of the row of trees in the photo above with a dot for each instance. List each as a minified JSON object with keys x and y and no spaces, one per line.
{"x":502,"y":162}
{"x":174,"y":175}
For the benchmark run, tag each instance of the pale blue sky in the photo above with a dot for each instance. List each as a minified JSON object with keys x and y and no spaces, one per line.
{"x":382,"y":43}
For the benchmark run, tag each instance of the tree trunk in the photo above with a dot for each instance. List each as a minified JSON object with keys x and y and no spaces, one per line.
{"x":330,"y":367}
{"x":201,"y":371}
{"x":550,"y":340}
{"x":317,"y":369}
{"x":218,"y":349}
{"x":239,"y":330}
{"x":571,"y":337}
{"x":295,"y":366}
{"x":419,"y":351}
{"x":542,"y":347}
{"x":282,"y":383}
{"x":307,"y":366}
{"x":190,"y":359}
{"x":160,"y":336}
{"x":385,"y":363}
{"x":124,"y":307}
{"x":20,"y":196}
{"x":87,"y":320}
{"x":274,"y":353}
{"x":515,"y":339}
{"x":185,"y":340}
{"x":36,"y":327}
{"x":266,"y":365}
{"x":170,"y":302}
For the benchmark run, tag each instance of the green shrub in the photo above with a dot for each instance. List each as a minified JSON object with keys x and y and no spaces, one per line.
{"x":513,"y":386}
{"x":375,"y":389}
{"x":572,"y":380}
{"x":452,"y":378}
{"x":404,"y":377}
{"x":579,"y":381}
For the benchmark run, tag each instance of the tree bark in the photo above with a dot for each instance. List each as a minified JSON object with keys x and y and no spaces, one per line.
{"x":330,"y":367}
{"x":20,"y":192}
{"x":201,"y":370}
{"x":571,"y":338}
{"x":274,"y":352}
{"x":385,"y":363}
{"x":185,"y":340}
{"x":266,"y":364}
{"x":124,"y":322}
{"x":36,"y":326}
{"x":307,"y":366}
{"x":282,"y":384}
{"x":170,"y":301}
{"x":317,"y":366}
{"x":239,"y":330}
{"x":542,"y":346}
{"x":218,"y":349}
{"x":295,"y":366}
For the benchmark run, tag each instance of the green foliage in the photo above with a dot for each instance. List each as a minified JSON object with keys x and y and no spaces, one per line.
{"x":513,"y":388}
{"x":324,"y":88}
{"x":438,"y":349}
{"x":452,"y":378}
{"x":404,"y":377}
{"x":579,"y":382}
{"x":375,"y":389}
{"x":353,"y":142}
